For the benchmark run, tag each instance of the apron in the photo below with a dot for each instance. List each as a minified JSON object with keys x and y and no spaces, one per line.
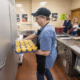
{"x":40,"y":58}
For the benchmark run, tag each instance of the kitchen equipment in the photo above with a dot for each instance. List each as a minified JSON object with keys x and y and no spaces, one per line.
{"x":77,"y":64}
{"x":78,"y":32}
{"x":8,"y":33}
{"x":66,"y":58}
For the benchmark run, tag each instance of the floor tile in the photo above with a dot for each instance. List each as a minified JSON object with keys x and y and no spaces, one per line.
{"x":23,"y":71}
{"x":28,"y":76}
{"x":22,"y":79}
{"x":22,"y":76}
{"x":34,"y":71}
{"x":28,"y":70}
{"x":33,"y":75}
{"x":33,"y":79}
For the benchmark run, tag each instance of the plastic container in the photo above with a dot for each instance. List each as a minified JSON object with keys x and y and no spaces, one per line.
{"x":59,"y":30}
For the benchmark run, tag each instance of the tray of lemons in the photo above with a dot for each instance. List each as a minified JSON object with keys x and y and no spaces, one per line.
{"x":24,"y":46}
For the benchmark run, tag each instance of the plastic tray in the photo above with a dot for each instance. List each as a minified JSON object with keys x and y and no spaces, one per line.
{"x":24,"y":52}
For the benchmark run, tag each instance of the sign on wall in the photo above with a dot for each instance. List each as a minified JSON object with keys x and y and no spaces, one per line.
{"x":54,"y":16}
{"x":34,"y":19}
{"x":24,"y":18}
{"x":63,"y":16}
{"x":18,"y":17}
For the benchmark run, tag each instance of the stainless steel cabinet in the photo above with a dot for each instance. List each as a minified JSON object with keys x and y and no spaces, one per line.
{"x":8,"y":34}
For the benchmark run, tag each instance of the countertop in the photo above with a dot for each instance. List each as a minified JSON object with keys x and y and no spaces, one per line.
{"x":70,"y":42}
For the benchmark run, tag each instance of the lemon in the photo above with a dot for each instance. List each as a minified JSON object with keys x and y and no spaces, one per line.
{"x":34,"y":48}
{"x":23,"y":49}
{"x":18,"y":50}
{"x":29,"y":49}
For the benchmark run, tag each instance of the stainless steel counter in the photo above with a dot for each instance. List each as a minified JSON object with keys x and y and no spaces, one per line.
{"x":69,"y":42}
{"x":68,"y":51}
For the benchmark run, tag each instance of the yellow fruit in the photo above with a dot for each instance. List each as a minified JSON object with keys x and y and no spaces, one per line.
{"x":22,"y":44}
{"x":26,"y":42}
{"x":21,"y":40}
{"x":23,"y":49}
{"x":17,"y":44}
{"x":28,"y":46}
{"x":18,"y":50}
{"x":29,"y":49}
{"x":32,"y":45}
{"x":17,"y":41}
{"x":34,"y":48}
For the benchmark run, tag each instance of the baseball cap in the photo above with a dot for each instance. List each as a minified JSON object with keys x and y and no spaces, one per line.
{"x":42,"y":11}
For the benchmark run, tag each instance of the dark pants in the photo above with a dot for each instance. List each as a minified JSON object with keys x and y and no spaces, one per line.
{"x":74,"y":33}
{"x":47,"y":74}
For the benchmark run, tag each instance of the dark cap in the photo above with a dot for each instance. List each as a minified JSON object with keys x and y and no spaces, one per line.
{"x":42,"y":11}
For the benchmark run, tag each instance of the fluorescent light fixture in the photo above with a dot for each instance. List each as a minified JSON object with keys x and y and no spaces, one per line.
{"x":43,"y":3}
{"x":18,"y":5}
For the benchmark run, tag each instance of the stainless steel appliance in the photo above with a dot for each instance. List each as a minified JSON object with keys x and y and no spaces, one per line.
{"x":66,"y":58}
{"x":8,"y":33}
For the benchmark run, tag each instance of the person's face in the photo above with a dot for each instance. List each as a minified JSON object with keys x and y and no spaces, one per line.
{"x":67,"y":17}
{"x":40,"y":20}
{"x":76,"y":20}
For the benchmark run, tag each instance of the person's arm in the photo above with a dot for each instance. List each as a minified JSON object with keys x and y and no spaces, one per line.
{"x":63,"y":24}
{"x":69,"y":27}
{"x":31,"y":36}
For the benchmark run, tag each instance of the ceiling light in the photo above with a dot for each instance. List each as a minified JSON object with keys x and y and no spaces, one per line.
{"x":43,"y":3}
{"x":18,"y":5}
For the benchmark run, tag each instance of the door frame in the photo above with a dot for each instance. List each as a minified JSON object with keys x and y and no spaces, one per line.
{"x":78,"y":9}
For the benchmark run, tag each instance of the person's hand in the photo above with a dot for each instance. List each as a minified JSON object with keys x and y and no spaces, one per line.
{"x":25,"y":38}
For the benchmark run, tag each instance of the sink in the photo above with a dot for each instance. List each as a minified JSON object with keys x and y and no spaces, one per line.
{"x":62,"y":35}
{"x":65,"y":37}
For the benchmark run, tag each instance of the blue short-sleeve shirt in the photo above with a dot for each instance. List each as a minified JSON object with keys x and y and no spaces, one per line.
{"x":47,"y":40}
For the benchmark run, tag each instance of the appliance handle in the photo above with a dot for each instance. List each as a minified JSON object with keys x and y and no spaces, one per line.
{"x":3,"y":64}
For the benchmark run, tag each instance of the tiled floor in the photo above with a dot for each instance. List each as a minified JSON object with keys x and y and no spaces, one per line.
{"x":28,"y":70}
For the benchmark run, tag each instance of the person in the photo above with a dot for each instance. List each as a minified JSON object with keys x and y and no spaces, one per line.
{"x":66,"y":23}
{"x":75,"y":24}
{"x":46,"y":43}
